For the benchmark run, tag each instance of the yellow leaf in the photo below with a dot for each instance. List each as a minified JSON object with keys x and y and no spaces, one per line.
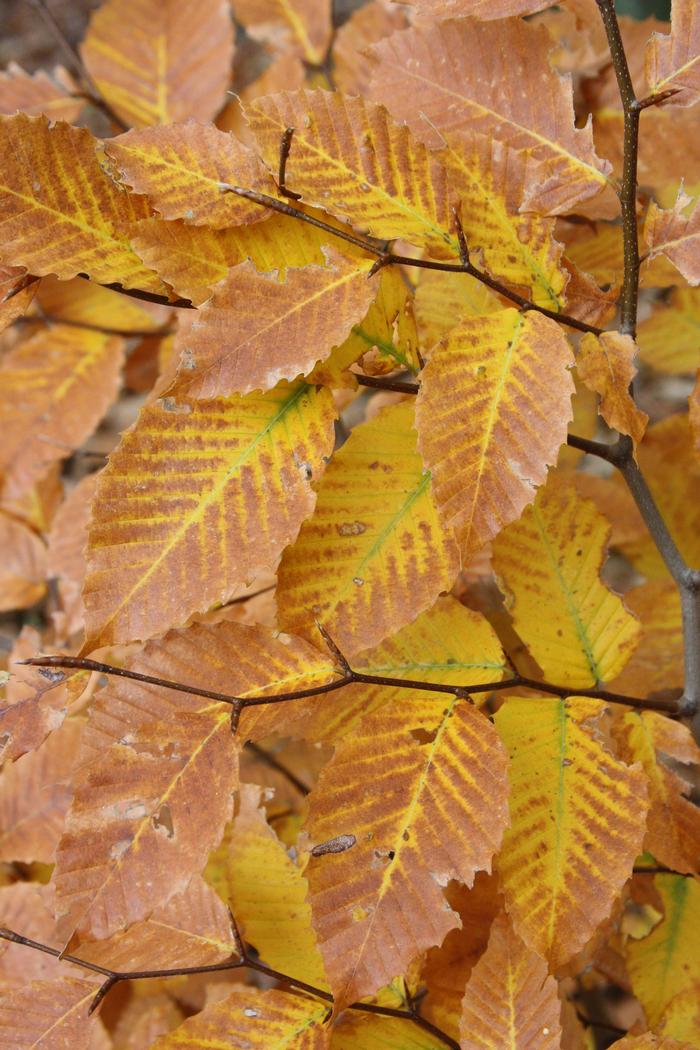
{"x":350,"y":158}
{"x":303,"y":27}
{"x":373,"y":555}
{"x":694,"y":414}
{"x":61,"y":213}
{"x":681,"y":1021}
{"x":195,"y":502}
{"x":416,"y":796}
{"x":649,"y":1041}
{"x":258,"y":329}
{"x":447,"y":644}
{"x":360,"y":1031}
{"x":444,"y":299}
{"x":489,"y":179}
{"x":673,"y":60}
{"x":673,"y":824}
{"x":56,"y":387}
{"x":86,"y":303}
{"x":468,"y":77}
{"x":666,"y":963}
{"x":548,"y":564}
{"x":491,"y":414}
{"x":510,"y":1002}
{"x":576,"y":824}
{"x":251,"y":1017}
{"x":267,"y":891}
{"x":158,"y":61}
{"x":669,"y":340}
{"x":181,"y":168}
{"x":606,"y":366}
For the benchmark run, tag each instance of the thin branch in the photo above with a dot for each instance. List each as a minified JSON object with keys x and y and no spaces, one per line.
{"x":351,"y":677}
{"x":686,"y":578}
{"x":385,"y":258}
{"x":380,"y":383}
{"x":241,"y":960}
{"x":146,"y":297}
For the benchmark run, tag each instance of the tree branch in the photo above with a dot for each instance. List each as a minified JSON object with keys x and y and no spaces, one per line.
{"x":385,"y":258}
{"x":349,"y":676}
{"x":621,"y":454}
{"x":242,"y":960}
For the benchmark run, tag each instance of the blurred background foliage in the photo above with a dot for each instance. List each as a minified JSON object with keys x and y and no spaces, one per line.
{"x":645,"y":8}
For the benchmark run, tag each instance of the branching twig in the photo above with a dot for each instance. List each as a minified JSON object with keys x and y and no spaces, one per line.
{"x":241,"y":960}
{"x":385,"y":258}
{"x":621,"y":455}
{"x":353,"y":677}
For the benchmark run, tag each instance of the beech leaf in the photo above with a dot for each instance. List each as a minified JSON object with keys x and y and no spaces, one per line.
{"x":606,"y":365}
{"x":303,"y":27}
{"x":672,"y":60}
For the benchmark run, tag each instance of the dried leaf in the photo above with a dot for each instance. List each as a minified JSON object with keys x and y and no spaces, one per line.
{"x":675,"y":233}
{"x":673,"y":60}
{"x":160,"y":61}
{"x":576,"y":824}
{"x":62,"y":214}
{"x":258,"y":329}
{"x":656,"y":665}
{"x":272,"y":443}
{"x":267,"y":892}
{"x":510,"y":1000}
{"x":468,"y":76}
{"x":673,"y":824}
{"x":444,"y":299}
{"x":502,"y":384}
{"x":38,"y":93}
{"x":303,"y":27}
{"x":360,"y":1031}
{"x":66,"y":554}
{"x":23,"y":568}
{"x":35,"y":793}
{"x":418,"y":809}
{"x":366,"y":25}
{"x":666,"y":962}
{"x":548,"y":566}
{"x":349,"y":157}
{"x":57,"y":385}
{"x":84,"y":303}
{"x":348,"y":568}
{"x":50,"y":1014}
{"x":181,"y":169}
{"x":249,"y":1016}
{"x":606,"y":366}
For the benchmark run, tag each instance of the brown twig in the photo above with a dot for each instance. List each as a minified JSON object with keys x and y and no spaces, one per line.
{"x":385,"y":258}
{"x":241,"y":960}
{"x":622,"y":453}
{"x":352,"y":676}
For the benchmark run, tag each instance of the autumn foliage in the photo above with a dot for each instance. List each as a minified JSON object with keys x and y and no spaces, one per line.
{"x":350,"y":526}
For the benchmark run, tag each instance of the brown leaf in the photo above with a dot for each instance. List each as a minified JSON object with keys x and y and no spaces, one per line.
{"x":159,"y":61}
{"x":57,"y":385}
{"x":181,"y":168}
{"x":510,"y":998}
{"x":468,"y":76}
{"x":23,"y":567}
{"x":48,"y":1014}
{"x":35,"y":793}
{"x":672,"y":61}
{"x":419,"y":791}
{"x":66,"y":555}
{"x":606,"y":366}
{"x":483,"y":9}
{"x":258,"y":329}
{"x":16,"y":306}
{"x":366,"y":25}
{"x":38,"y":93}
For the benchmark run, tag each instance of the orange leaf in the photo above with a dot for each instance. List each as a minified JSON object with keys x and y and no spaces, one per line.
{"x":38,"y":93}
{"x":62,"y":213}
{"x":673,"y":60}
{"x":23,"y":567}
{"x":158,"y":61}
{"x":510,"y":1001}
{"x":606,"y":366}
{"x":181,"y":169}
{"x":259,"y":328}
{"x":51,"y":1014}
{"x":675,"y":233}
{"x":303,"y":27}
